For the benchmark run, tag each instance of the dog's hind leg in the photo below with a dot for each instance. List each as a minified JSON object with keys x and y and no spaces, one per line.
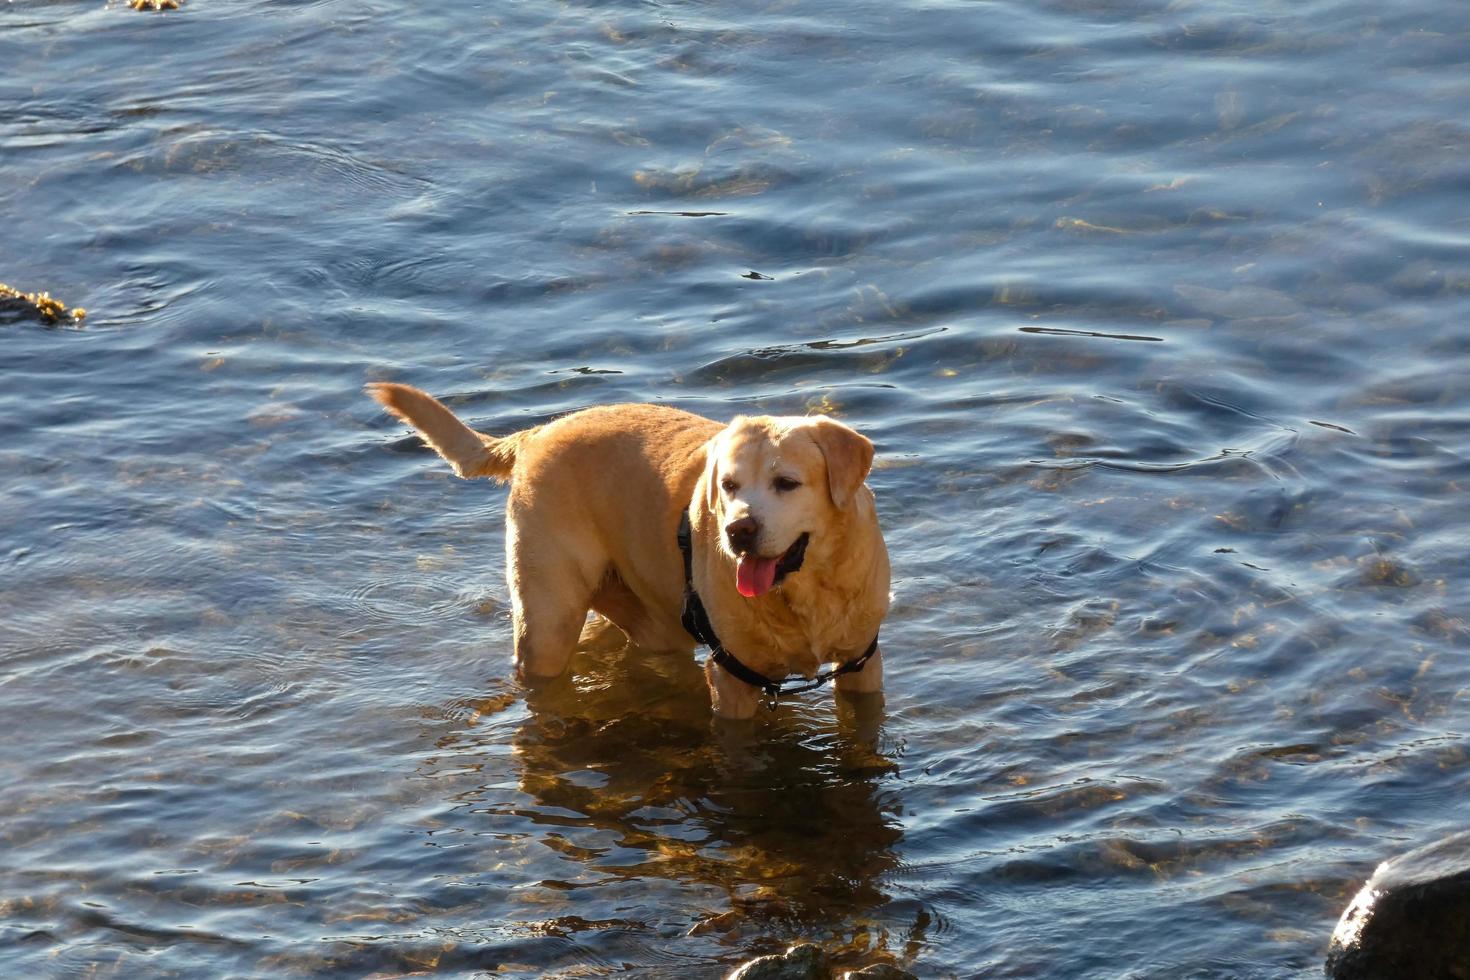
{"x":551,"y":587}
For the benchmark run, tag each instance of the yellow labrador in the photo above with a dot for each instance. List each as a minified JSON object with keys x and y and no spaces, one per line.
{"x":784,"y":555}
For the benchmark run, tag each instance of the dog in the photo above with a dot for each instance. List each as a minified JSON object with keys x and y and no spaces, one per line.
{"x":784,"y":554}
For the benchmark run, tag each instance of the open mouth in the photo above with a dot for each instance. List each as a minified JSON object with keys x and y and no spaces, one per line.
{"x":755,"y":575}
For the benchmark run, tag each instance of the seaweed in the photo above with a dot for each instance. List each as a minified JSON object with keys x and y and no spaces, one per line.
{"x":43,"y":305}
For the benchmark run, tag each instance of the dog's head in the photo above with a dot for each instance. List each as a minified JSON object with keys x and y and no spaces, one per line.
{"x":778,"y":487}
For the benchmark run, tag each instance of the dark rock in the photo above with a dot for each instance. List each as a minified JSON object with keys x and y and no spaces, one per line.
{"x":879,"y":971}
{"x":804,"y":962}
{"x":1412,"y":918}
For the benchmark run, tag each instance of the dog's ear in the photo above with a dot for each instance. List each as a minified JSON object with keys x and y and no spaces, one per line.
{"x":849,"y":457}
{"x":710,"y":478}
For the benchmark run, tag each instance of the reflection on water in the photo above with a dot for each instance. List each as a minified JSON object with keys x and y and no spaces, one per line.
{"x":1155,"y":313}
{"x":783,"y":827}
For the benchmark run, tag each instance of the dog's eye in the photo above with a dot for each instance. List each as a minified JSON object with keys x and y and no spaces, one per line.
{"x":728,"y":485}
{"x":785,"y":484}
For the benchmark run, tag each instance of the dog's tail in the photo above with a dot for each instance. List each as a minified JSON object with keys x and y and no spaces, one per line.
{"x":471,"y":453}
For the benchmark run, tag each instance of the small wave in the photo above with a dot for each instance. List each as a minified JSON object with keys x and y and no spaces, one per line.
{"x":418,"y":601}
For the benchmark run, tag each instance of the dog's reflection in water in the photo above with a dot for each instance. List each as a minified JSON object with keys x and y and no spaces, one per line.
{"x":782,"y":825}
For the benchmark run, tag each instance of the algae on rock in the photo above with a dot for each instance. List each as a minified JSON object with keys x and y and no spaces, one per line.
{"x":43,"y":304}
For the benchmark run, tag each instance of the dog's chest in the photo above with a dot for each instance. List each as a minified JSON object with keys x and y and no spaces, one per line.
{"x":804,"y":632}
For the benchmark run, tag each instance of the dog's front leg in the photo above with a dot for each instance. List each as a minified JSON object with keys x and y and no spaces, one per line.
{"x":869,"y":680}
{"x":729,"y":696}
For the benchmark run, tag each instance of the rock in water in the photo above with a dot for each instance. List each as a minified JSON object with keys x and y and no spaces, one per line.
{"x":879,"y":971}
{"x":804,"y":962}
{"x":1412,"y":918}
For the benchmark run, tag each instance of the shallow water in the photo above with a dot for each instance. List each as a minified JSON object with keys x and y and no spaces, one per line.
{"x":1157,"y":315}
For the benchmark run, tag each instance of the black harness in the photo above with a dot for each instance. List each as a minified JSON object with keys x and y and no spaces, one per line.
{"x":696,"y":621}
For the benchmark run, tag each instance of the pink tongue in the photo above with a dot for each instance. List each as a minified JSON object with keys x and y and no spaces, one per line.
{"x":755,"y":576}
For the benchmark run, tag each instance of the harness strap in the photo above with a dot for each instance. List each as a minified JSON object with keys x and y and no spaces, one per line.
{"x":696,"y":621}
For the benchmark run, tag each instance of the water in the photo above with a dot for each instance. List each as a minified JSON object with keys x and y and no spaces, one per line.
{"x":1157,"y":315}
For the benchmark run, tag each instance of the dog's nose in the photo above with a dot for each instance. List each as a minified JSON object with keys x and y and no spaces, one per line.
{"x":742,"y":534}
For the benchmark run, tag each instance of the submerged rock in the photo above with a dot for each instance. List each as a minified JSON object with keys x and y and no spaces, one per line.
{"x":878,"y":971}
{"x":809,"y":962}
{"x":804,"y":962}
{"x":1412,"y":918}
